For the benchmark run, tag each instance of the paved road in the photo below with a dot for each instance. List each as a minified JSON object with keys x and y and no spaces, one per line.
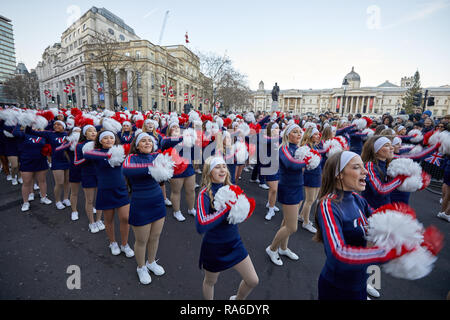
{"x":37,"y":247}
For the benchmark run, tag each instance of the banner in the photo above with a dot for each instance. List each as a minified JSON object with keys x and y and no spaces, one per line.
{"x":371,"y":105}
{"x":338,"y":106}
{"x":124,"y":91}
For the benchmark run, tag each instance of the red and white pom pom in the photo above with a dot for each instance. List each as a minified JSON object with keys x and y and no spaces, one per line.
{"x":223,"y":197}
{"x":244,"y":129}
{"x":240,"y":151}
{"x":335,"y":145}
{"x":162,"y":168}
{"x":308,"y":155}
{"x":26,"y":119}
{"x":240,"y":210}
{"x":40,"y":123}
{"x":444,"y":139}
{"x":233,"y":197}
{"x":111,"y":125}
{"x":88,"y":146}
{"x":360,"y":123}
{"x":189,"y":137}
{"x":417,"y":135}
{"x":369,"y":133}
{"x":418,"y":148}
{"x":406,"y":167}
{"x":73,"y":139}
{"x":116,"y":156}
{"x":393,"y":226}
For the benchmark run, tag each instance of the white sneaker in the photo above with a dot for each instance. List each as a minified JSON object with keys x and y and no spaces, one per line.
{"x":372,"y":291}
{"x":115,"y":250}
{"x":444,"y":216}
{"x":36,"y":187}
{"x":127,"y":250}
{"x":179,"y":216}
{"x":275,"y":208}
{"x":25,"y":206}
{"x":274,"y":257}
{"x":288,"y":253}
{"x":300,"y":218}
{"x":168,"y":202}
{"x":60,"y":205}
{"x":440,"y":201}
{"x":255,"y":181}
{"x":20,"y":180}
{"x":14,"y":182}
{"x":197,"y":185}
{"x":246,"y":169}
{"x":74,"y":216}
{"x":144,"y":276}
{"x":8,"y":177}
{"x":155,"y":268}
{"x":198,"y":171}
{"x":66,"y":202}
{"x":309,"y":227}
{"x":94,"y":210}
{"x":192,"y":212}
{"x":45,"y":200}
{"x":270,"y":215}
{"x":100,"y":225}
{"x":31,"y":197}
{"x":264,"y":186}
{"x":93,"y":227}
{"x":233,"y":298}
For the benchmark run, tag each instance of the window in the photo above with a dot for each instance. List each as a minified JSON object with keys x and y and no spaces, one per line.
{"x":138,"y":54}
{"x":127,"y":54}
{"x":84,"y":26}
{"x":111,"y":31}
{"x":121,"y":37}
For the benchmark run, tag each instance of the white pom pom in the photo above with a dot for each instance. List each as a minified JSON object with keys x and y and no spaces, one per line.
{"x":244,"y":129}
{"x":392,"y":229}
{"x":73,"y":139}
{"x":240,"y":150}
{"x":219,"y":121}
{"x":117,"y":156}
{"x":412,"y":266}
{"x":108,"y":113}
{"x":444,"y":138}
{"x":88,"y":146}
{"x":111,"y":125}
{"x":360,"y":123}
{"x":369,"y":133}
{"x":301,"y":152}
{"x":418,"y":148}
{"x":223,"y":197}
{"x":406,"y":167}
{"x":418,"y":136}
{"x":189,"y":137}
{"x":40,"y":123}
{"x":239,"y":211}
{"x":162,"y":169}
{"x":249,"y":117}
{"x":333,"y":146}
{"x":26,"y":119}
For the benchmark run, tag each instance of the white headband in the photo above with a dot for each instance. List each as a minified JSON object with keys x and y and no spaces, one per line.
{"x":314,"y":131}
{"x":143,"y":135}
{"x":292,"y":127}
{"x":214,"y":162}
{"x":346,"y":156}
{"x":172,"y":124}
{"x":380,"y":143}
{"x":275,"y":126}
{"x":400,"y":128}
{"x":396,"y":140}
{"x":106,"y":134}
{"x":61,"y":123}
{"x":126,"y":123}
{"x":86,"y":127}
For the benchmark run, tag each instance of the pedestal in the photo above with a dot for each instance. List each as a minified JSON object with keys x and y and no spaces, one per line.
{"x":275,"y":106}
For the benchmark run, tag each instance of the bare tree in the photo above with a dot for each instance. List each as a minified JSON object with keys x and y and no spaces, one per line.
{"x":23,"y":88}
{"x":104,"y":52}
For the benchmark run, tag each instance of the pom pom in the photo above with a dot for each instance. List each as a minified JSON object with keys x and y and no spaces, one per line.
{"x":360,"y":123}
{"x":239,"y":211}
{"x":244,"y":129}
{"x":116,"y":156}
{"x":332,"y":146}
{"x":73,"y":139}
{"x":111,"y":125}
{"x":418,"y":148}
{"x":88,"y":146}
{"x":46,"y":150}
{"x":406,"y":167}
{"x":40,"y":123}
{"x":26,"y":119}
{"x":180,"y":163}
{"x":417,"y":135}
{"x":162,"y":168}
{"x":308,"y":155}
{"x":223,"y":197}
{"x":369,"y":133}
{"x":240,"y":151}
{"x":444,"y":139}
{"x":189,"y":137}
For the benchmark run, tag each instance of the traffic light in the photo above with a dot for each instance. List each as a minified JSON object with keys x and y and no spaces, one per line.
{"x":417,"y":99}
{"x":431,"y":101}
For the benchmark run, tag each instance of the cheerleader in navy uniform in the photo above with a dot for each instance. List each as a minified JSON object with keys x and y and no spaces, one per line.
{"x":33,"y":165}
{"x":312,"y":181}
{"x":112,"y":193}
{"x":60,"y":163}
{"x":341,"y":218}
{"x":271,"y":141}
{"x":185,"y":179}
{"x":3,"y":157}
{"x":147,"y":207}
{"x":126,"y":135}
{"x":12,"y":153}
{"x":290,"y":193}
{"x":88,"y":176}
{"x":222,"y":247}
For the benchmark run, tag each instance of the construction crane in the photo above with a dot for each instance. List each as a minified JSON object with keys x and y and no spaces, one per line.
{"x":163,"y":27}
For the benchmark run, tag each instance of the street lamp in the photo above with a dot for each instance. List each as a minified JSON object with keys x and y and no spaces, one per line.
{"x":345,"y":85}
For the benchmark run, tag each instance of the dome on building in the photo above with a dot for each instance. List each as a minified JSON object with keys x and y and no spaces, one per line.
{"x":261,"y":86}
{"x":352,"y":76}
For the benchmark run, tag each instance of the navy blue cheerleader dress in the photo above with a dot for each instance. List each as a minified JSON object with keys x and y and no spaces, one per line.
{"x":74,"y":171}
{"x":290,"y":187}
{"x":313,"y":178}
{"x":222,"y":247}
{"x":112,"y":190}
{"x":187,"y":153}
{"x":147,"y":200}
{"x":271,"y":145}
{"x":87,"y":167}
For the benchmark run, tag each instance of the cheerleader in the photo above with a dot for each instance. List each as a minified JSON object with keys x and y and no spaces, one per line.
{"x":3,"y":157}
{"x":341,"y":218}
{"x":290,"y":194}
{"x":185,"y":179}
{"x":222,"y":247}
{"x":147,"y":208}
{"x":59,"y":162}
{"x":312,"y":179}
{"x":126,"y":135}
{"x":377,"y":154}
{"x":271,"y":141}
{"x":33,"y":166}
{"x":151,"y":126}
{"x":223,"y":147}
{"x":112,"y":193}
{"x":12,"y":154}
{"x":88,"y":177}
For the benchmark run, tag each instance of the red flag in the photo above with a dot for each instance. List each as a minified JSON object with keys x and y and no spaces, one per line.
{"x":187,"y":37}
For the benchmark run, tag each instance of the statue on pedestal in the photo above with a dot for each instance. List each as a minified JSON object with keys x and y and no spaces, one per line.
{"x":275,"y":92}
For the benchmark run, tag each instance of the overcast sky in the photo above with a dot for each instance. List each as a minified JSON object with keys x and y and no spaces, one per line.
{"x":299,"y":44}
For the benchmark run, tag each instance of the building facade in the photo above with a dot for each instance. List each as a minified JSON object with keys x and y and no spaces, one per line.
{"x":143,"y":75}
{"x":7,"y":56}
{"x":370,"y":101}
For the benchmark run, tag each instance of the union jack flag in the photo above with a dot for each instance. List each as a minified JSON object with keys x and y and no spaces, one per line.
{"x":435,"y":158}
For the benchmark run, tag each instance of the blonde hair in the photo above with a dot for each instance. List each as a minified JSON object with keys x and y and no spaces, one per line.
{"x":306,"y":139}
{"x":206,"y":179}
{"x":285,"y":139}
